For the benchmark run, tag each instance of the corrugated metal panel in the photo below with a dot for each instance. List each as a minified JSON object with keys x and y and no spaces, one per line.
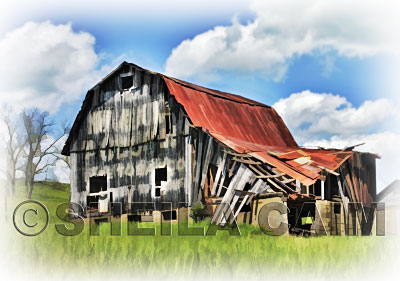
{"x":308,"y":172}
{"x":231,"y":116}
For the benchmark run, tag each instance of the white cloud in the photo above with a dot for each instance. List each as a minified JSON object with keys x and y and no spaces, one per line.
{"x":386,"y":144}
{"x":283,"y":30}
{"x":312,"y":115}
{"x":44,"y":65}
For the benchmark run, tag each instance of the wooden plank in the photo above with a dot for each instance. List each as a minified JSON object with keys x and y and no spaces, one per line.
{"x":246,"y":161}
{"x":288,"y":181}
{"x":247,"y":177}
{"x":198,"y":165}
{"x":270,"y":176}
{"x":221,"y":167}
{"x":276,"y":185}
{"x":210,"y":182}
{"x":206,"y":160}
{"x":231,"y":169}
{"x":350,"y":185}
{"x":256,"y":170}
{"x":328,"y":170}
{"x":229,"y":193}
{"x":188,"y":169}
{"x":230,"y":152}
{"x":224,"y":173}
{"x":345,"y":200}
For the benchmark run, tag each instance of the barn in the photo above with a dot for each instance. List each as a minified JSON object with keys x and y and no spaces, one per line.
{"x":142,"y":136}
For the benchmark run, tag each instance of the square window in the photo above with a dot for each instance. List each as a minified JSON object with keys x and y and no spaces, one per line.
{"x":160,"y":175}
{"x":97,"y":184}
{"x":127,"y":82}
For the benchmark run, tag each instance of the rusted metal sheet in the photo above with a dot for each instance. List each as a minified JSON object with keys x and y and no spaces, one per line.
{"x":230,"y":115}
{"x":285,"y":168}
{"x":304,"y":165}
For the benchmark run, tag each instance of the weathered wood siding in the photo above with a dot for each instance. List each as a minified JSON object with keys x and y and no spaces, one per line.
{"x":124,"y":137}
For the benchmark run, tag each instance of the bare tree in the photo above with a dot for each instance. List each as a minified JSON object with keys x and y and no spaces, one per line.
{"x":15,"y":142}
{"x":64,"y":159}
{"x":37,"y":128}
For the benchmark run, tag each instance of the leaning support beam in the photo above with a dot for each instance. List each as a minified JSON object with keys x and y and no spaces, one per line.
{"x":257,"y":188}
{"x":241,"y":177}
{"x":221,"y":166}
{"x":248,"y":177}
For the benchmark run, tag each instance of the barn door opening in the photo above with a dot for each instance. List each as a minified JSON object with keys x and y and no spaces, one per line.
{"x":98,"y":198}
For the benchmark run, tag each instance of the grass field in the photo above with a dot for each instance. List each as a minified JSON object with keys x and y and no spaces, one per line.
{"x":252,"y":252}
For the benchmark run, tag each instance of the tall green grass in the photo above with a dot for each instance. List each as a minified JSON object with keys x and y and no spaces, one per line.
{"x":252,"y":251}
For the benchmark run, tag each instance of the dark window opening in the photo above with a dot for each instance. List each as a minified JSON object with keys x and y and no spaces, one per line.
{"x":92,"y":203}
{"x":247,"y":187}
{"x":169,"y":215}
{"x":127,"y":82}
{"x":317,"y":188}
{"x":160,"y":175}
{"x":333,"y":187}
{"x":337,"y":208}
{"x":142,"y":216}
{"x":134,"y":218}
{"x":97,"y":184}
{"x":168,"y":123}
{"x":98,"y":221}
{"x":311,"y":189}
{"x":158,"y":192}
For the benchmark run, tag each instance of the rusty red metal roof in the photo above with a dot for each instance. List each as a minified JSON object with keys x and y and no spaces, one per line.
{"x":230,"y":116}
{"x":253,"y":128}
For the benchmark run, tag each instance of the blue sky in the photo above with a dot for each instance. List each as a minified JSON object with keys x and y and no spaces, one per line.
{"x":148,"y":39}
{"x":336,"y":61}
